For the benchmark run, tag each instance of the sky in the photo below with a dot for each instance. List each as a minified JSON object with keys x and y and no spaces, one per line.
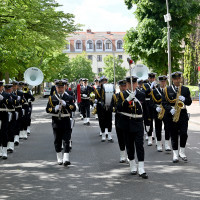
{"x":100,"y":15}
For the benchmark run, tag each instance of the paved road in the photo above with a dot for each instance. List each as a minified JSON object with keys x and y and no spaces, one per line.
{"x":31,"y":171}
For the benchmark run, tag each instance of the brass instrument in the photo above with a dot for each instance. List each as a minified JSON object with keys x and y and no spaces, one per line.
{"x":94,"y":111}
{"x":92,"y":96}
{"x":25,"y":89}
{"x":179,"y":105}
{"x":161,"y":113}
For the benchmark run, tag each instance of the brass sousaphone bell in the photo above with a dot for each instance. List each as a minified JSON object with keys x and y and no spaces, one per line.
{"x":33,"y":76}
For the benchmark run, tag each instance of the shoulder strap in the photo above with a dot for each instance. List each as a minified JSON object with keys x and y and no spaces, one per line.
{"x":122,"y":96}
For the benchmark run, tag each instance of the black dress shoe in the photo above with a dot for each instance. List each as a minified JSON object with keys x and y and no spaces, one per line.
{"x":184,"y":158}
{"x":66,"y":163}
{"x":122,"y":161}
{"x":111,"y":141}
{"x":4,"y":157}
{"x":175,"y":160}
{"x":144,"y":176}
{"x":28,"y":133}
{"x":16,"y":143}
{"x":134,"y":173}
{"x":10,"y":150}
{"x":88,"y":124}
{"x":60,"y":163}
{"x":103,"y":140}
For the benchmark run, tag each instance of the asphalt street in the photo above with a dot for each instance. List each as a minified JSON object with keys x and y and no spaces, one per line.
{"x":31,"y":172}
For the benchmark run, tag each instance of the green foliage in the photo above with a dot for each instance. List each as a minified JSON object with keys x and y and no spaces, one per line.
{"x":120,"y":72}
{"x":148,"y":41}
{"x":194,"y":90}
{"x":79,"y":67}
{"x":31,"y":32}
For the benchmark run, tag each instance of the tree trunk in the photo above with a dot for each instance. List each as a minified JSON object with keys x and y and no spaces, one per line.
{"x":7,"y":77}
{"x":1,"y":76}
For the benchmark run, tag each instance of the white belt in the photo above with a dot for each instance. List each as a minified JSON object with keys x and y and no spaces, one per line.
{"x":3,"y":109}
{"x":131,"y":115}
{"x":85,"y":97}
{"x":26,"y":103}
{"x":10,"y":110}
{"x":62,"y":115}
{"x":18,"y":106}
{"x":147,"y":99}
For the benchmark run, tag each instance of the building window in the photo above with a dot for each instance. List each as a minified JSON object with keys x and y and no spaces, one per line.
{"x":89,"y":57}
{"x":119,"y":44}
{"x":99,"y":70}
{"x":89,"y":45}
{"x":108,"y":45}
{"x":99,"y":58}
{"x":120,"y":57}
{"x":99,"y":44}
{"x":67,"y":46}
{"x":78,"y":44}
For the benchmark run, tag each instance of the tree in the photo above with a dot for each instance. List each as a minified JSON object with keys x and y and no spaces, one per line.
{"x":120,"y":72}
{"x":192,"y":56}
{"x":80,"y":67}
{"x":30,"y":31}
{"x":148,"y":41}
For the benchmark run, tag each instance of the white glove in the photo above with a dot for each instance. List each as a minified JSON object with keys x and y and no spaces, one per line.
{"x":1,"y":97}
{"x":147,"y":128}
{"x":84,"y":95}
{"x":131,"y":96}
{"x":63,"y":103}
{"x":152,"y":84}
{"x":172,"y":111}
{"x":95,"y":105}
{"x":182,"y":98}
{"x":57,"y":108}
{"x":158,"y":109}
{"x":18,"y":98}
{"x":95,"y":101}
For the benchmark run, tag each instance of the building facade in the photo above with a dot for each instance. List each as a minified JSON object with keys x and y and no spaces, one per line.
{"x":97,"y":45}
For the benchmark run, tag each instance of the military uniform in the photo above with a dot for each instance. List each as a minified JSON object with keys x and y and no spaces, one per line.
{"x":119,"y":131}
{"x":156,"y":96}
{"x":18,"y":112}
{"x":85,"y":102}
{"x":133,"y":109}
{"x":60,"y":107}
{"x":104,"y":113}
{"x":177,"y":129}
{"x":147,"y":89}
{"x":6,"y":102}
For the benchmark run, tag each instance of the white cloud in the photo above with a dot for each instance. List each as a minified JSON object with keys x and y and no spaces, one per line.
{"x":101,"y":15}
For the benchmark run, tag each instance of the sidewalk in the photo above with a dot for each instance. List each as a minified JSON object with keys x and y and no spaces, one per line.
{"x":194,"y":111}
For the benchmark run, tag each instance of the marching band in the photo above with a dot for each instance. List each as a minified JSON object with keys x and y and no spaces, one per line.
{"x":137,"y":105}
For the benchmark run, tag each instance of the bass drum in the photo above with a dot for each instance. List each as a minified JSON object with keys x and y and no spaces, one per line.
{"x":109,"y":91}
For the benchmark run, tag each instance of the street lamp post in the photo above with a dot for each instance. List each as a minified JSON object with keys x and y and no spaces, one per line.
{"x":113,"y":58}
{"x":168,"y":19}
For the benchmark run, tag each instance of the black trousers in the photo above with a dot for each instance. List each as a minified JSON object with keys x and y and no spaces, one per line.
{"x":12,"y":128}
{"x":120,"y":133}
{"x":179,"y":131}
{"x":18,"y":122}
{"x":158,"y":129}
{"x":85,"y":108}
{"x":62,"y":132}
{"x":105,"y":118}
{"x":151,"y":113}
{"x":29,"y":115}
{"x":4,"y":131}
{"x":134,"y":140}
{"x":25,"y":118}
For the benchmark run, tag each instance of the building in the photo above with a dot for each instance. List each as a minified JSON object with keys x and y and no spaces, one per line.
{"x":97,"y":45}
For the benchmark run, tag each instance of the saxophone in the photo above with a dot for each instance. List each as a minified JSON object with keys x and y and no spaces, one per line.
{"x":179,"y":105}
{"x":161,"y":113}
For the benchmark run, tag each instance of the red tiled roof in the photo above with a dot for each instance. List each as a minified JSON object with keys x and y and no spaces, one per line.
{"x":96,"y":35}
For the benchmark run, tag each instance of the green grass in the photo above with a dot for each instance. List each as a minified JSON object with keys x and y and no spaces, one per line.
{"x":194,"y":90}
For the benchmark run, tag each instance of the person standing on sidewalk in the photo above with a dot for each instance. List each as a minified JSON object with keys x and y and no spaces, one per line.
{"x":176,"y":95}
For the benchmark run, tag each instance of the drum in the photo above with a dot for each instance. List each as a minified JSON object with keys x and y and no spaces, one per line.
{"x":109,"y":91}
